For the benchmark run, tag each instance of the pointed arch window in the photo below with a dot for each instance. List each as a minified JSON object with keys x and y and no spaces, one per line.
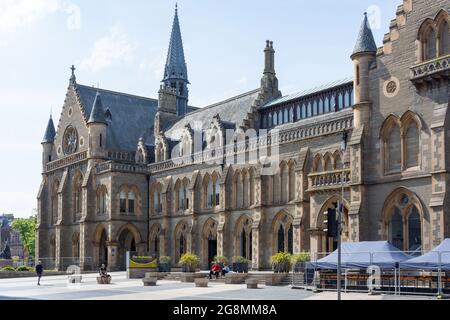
{"x":412,"y":146}
{"x":304,"y":113}
{"x":299,"y":113}
{"x":393,"y":143}
{"x":405,"y":223}
{"x":217,"y":193}
{"x":275,"y":119}
{"x":320,"y":106}
{"x":131,"y":202}
{"x":327,"y":105}
{"x":291,"y":114}
{"x":310,"y":112}
{"x":444,"y":39}
{"x":101,"y":200}
{"x":430,"y":44}
{"x":315,"y":109}
{"x":210,"y":194}
{"x":123,"y":202}
{"x":286,"y":116}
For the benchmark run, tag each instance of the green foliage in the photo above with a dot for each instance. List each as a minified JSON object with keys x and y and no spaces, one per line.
{"x":301,"y":257}
{"x":240,"y":259}
{"x":25,"y":269}
{"x":281,"y":262}
{"x":221,"y":259}
{"x":27,"y":231}
{"x":189,"y":261}
{"x":165,"y":260}
{"x":8,"y":269}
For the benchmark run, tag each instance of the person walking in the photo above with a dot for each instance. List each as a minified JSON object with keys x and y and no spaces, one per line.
{"x":39,"y":271}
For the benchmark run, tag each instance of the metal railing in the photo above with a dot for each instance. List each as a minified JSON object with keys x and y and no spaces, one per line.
{"x":432,"y":279}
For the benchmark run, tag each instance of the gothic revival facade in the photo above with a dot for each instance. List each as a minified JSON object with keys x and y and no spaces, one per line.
{"x":122,"y":172}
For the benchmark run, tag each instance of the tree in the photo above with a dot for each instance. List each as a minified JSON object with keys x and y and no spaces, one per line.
{"x":27,"y":230}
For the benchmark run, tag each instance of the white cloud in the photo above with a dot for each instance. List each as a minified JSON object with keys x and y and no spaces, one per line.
{"x":17,"y":14}
{"x":113,"y":49}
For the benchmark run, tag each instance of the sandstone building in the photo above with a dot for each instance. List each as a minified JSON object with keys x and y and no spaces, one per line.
{"x":122,"y":172}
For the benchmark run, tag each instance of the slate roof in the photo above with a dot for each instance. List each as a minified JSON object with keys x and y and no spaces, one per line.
{"x":231,"y":111}
{"x":98,"y":112}
{"x":176,"y":63}
{"x":308,"y":92}
{"x":50,"y":132}
{"x":365,"y":42}
{"x":132,"y":116}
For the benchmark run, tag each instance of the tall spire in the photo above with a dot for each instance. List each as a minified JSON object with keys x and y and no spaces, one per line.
{"x":365,"y":42}
{"x":50,"y":132}
{"x":176,"y":64}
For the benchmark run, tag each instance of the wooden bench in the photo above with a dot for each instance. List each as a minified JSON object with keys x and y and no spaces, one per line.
{"x":150,"y":281}
{"x":201,"y":282}
{"x":104,"y":280}
{"x":252,"y":283}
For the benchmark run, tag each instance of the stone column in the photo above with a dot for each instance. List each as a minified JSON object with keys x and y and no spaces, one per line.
{"x":221,"y":243}
{"x":257,"y":241}
{"x":113,"y":255}
{"x":86,"y":248}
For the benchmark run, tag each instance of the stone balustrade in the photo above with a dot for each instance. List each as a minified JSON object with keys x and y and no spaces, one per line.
{"x":328,"y":180}
{"x":66,"y":161}
{"x":430,"y":70}
{"x":283,"y":136}
{"x":111,"y":166}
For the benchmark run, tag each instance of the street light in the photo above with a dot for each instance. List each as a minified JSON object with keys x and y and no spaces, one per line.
{"x":341,"y":214}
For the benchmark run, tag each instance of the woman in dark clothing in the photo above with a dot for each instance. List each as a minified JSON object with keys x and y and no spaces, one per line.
{"x":39,"y":271}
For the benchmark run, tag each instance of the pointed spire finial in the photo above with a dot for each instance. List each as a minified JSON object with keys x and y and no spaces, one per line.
{"x":175,"y":67}
{"x":50,"y":132}
{"x":365,"y":42}
{"x":73,"y":78}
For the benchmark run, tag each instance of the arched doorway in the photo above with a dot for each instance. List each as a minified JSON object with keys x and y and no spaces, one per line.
{"x":155,"y":241}
{"x":181,"y":240}
{"x":283,"y":233}
{"x":328,"y":244}
{"x":209,"y":240}
{"x":127,"y":243}
{"x":404,"y":221}
{"x":243,"y":237}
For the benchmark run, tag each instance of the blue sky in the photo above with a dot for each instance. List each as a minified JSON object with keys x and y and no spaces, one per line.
{"x":122,"y":45}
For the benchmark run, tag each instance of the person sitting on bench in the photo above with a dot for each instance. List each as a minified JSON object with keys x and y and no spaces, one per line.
{"x":215,"y":271}
{"x":104,"y":273}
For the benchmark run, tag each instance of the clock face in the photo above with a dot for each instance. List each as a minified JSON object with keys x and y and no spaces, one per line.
{"x":70,"y":141}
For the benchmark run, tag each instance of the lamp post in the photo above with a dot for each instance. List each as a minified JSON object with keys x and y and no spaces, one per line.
{"x":341,"y":214}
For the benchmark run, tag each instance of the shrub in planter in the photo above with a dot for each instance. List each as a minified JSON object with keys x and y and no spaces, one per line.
{"x":164,"y":264}
{"x":189,"y":262}
{"x":281,"y":262}
{"x":8,"y":269}
{"x":221,"y":260}
{"x":25,"y":269}
{"x":240,"y":264}
{"x":300,"y":259}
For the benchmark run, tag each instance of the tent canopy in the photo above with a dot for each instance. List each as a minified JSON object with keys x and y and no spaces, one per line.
{"x":361,"y":255}
{"x":439,"y":256}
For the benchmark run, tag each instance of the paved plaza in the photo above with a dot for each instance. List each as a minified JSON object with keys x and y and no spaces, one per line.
{"x":57,"y":288}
